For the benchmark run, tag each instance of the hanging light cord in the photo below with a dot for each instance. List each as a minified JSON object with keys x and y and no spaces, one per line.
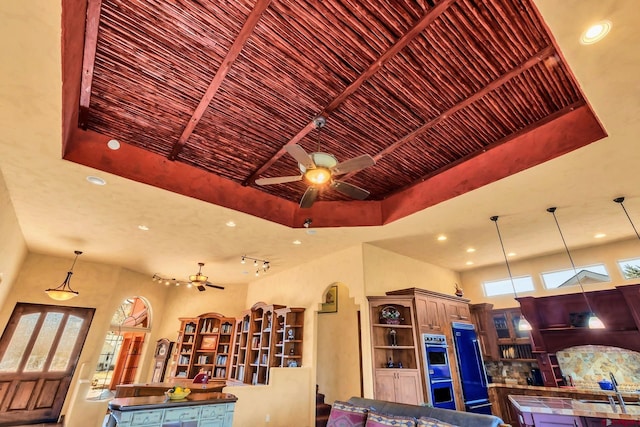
{"x":566,"y":248}
{"x":506,"y":260}
{"x":620,"y":200}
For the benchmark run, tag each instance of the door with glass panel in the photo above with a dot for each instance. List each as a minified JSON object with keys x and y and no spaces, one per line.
{"x":39,"y":351}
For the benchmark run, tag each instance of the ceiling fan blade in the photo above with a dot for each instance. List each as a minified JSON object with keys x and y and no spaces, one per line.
{"x":353,"y":165}
{"x":309,"y":197}
{"x":278,"y":180}
{"x":350,"y":190}
{"x":211,"y":285}
{"x":301,"y":156}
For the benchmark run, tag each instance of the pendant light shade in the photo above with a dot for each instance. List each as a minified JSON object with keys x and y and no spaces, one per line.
{"x":64,"y":291}
{"x":523,"y":323}
{"x":593,"y":321}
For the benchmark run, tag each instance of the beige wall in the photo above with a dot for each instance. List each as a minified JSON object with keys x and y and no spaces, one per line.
{"x":338,"y":358}
{"x":13,"y":249}
{"x":607,"y":254}
{"x":385,"y":271}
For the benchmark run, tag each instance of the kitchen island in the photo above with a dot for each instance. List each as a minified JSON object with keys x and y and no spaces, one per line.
{"x":213,"y":409}
{"x":501,"y":406}
{"x":535,"y":411}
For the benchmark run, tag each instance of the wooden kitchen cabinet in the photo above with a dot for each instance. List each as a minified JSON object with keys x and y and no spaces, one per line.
{"x":430,"y":314}
{"x":457,"y":311}
{"x":482,"y":317}
{"x":513,"y":344}
{"x":398,"y":385}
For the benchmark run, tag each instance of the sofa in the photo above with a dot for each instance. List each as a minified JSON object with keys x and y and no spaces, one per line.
{"x":447,"y":416}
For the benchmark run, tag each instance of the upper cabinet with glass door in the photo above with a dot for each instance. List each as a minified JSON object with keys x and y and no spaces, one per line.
{"x":513,"y":343}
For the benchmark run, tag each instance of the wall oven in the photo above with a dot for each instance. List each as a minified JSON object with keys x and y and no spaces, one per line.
{"x":440,"y":386}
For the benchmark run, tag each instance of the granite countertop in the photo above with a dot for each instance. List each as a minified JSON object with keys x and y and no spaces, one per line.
{"x":573,"y":407}
{"x":154,"y":402}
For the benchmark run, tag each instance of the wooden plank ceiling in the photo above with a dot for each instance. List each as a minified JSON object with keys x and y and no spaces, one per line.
{"x":223,"y":86}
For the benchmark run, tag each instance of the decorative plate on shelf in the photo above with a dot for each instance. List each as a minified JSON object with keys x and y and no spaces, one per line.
{"x":390,"y":315}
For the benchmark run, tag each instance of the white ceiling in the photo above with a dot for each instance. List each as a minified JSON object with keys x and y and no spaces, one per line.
{"x":59,"y":211}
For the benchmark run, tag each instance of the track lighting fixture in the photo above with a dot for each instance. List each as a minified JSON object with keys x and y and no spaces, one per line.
{"x":620,"y":201}
{"x":523,"y":323}
{"x":64,"y":291}
{"x":594,"y":321}
{"x":256,"y":263}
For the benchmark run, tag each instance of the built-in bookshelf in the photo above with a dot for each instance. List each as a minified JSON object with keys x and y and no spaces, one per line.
{"x":204,"y":346}
{"x":266,"y":336}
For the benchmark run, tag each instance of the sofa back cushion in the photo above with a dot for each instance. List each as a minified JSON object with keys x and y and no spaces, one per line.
{"x":432,"y":422}
{"x":344,"y":414}
{"x":376,"y":419}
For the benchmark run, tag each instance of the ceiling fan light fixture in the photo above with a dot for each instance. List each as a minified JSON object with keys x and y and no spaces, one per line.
{"x":198,"y":277}
{"x":318,"y":176}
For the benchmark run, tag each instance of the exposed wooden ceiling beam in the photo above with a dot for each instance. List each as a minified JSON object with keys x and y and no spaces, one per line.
{"x":400,"y":44}
{"x":225,"y":66}
{"x":535,"y":59}
{"x":88,"y":59}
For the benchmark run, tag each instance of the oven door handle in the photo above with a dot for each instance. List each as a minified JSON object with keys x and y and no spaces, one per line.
{"x":479,"y":406}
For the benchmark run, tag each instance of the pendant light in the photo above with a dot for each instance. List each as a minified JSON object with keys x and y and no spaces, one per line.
{"x":594,"y":321}
{"x":523,"y":323}
{"x":620,"y":200}
{"x":64,"y":291}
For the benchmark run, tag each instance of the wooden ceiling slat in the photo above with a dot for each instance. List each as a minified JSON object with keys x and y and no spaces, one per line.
{"x":227,"y":63}
{"x":496,"y":83}
{"x":501,"y":13}
{"x":88,"y":59}
{"x":484,"y":26}
{"x":387,"y":55}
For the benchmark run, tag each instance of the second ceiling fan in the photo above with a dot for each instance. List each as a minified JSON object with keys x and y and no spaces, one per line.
{"x":319,"y":169}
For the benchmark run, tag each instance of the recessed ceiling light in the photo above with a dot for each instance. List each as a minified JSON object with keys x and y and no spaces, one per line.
{"x":471,"y":250}
{"x":600,"y":235}
{"x":297,"y":242}
{"x":442,"y":238}
{"x":143,"y":227}
{"x":511,"y":254}
{"x":96,"y":180}
{"x":469,"y":262}
{"x":230,"y":224}
{"x":596,"y":32}
{"x":113,"y":144}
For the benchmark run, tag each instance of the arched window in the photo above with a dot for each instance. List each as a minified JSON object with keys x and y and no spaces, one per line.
{"x":121,"y":351}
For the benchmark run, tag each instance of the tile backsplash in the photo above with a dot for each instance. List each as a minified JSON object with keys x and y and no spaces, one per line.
{"x":588,"y":364}
{"x":504,"y":372}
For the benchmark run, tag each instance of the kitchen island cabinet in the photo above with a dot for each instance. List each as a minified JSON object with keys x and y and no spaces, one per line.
{"x":536,"y":411}
{"x":199,"y":410}
{"x":501,"y":405}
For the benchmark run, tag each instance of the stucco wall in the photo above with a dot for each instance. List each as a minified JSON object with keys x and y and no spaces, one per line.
{"x":337,"y":366}
{"x":13,"y":249}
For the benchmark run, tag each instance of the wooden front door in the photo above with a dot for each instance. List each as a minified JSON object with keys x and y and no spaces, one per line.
{"x":39,"y":351}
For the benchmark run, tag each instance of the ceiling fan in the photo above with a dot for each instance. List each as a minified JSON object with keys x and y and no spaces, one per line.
{"x":199,"y":280}
{"x":319,"y":169}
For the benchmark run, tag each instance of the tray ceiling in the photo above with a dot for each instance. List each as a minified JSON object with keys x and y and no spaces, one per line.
{"x":204,"y":97}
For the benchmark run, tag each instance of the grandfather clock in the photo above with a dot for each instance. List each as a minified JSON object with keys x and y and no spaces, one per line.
{"x":161,"y":358}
